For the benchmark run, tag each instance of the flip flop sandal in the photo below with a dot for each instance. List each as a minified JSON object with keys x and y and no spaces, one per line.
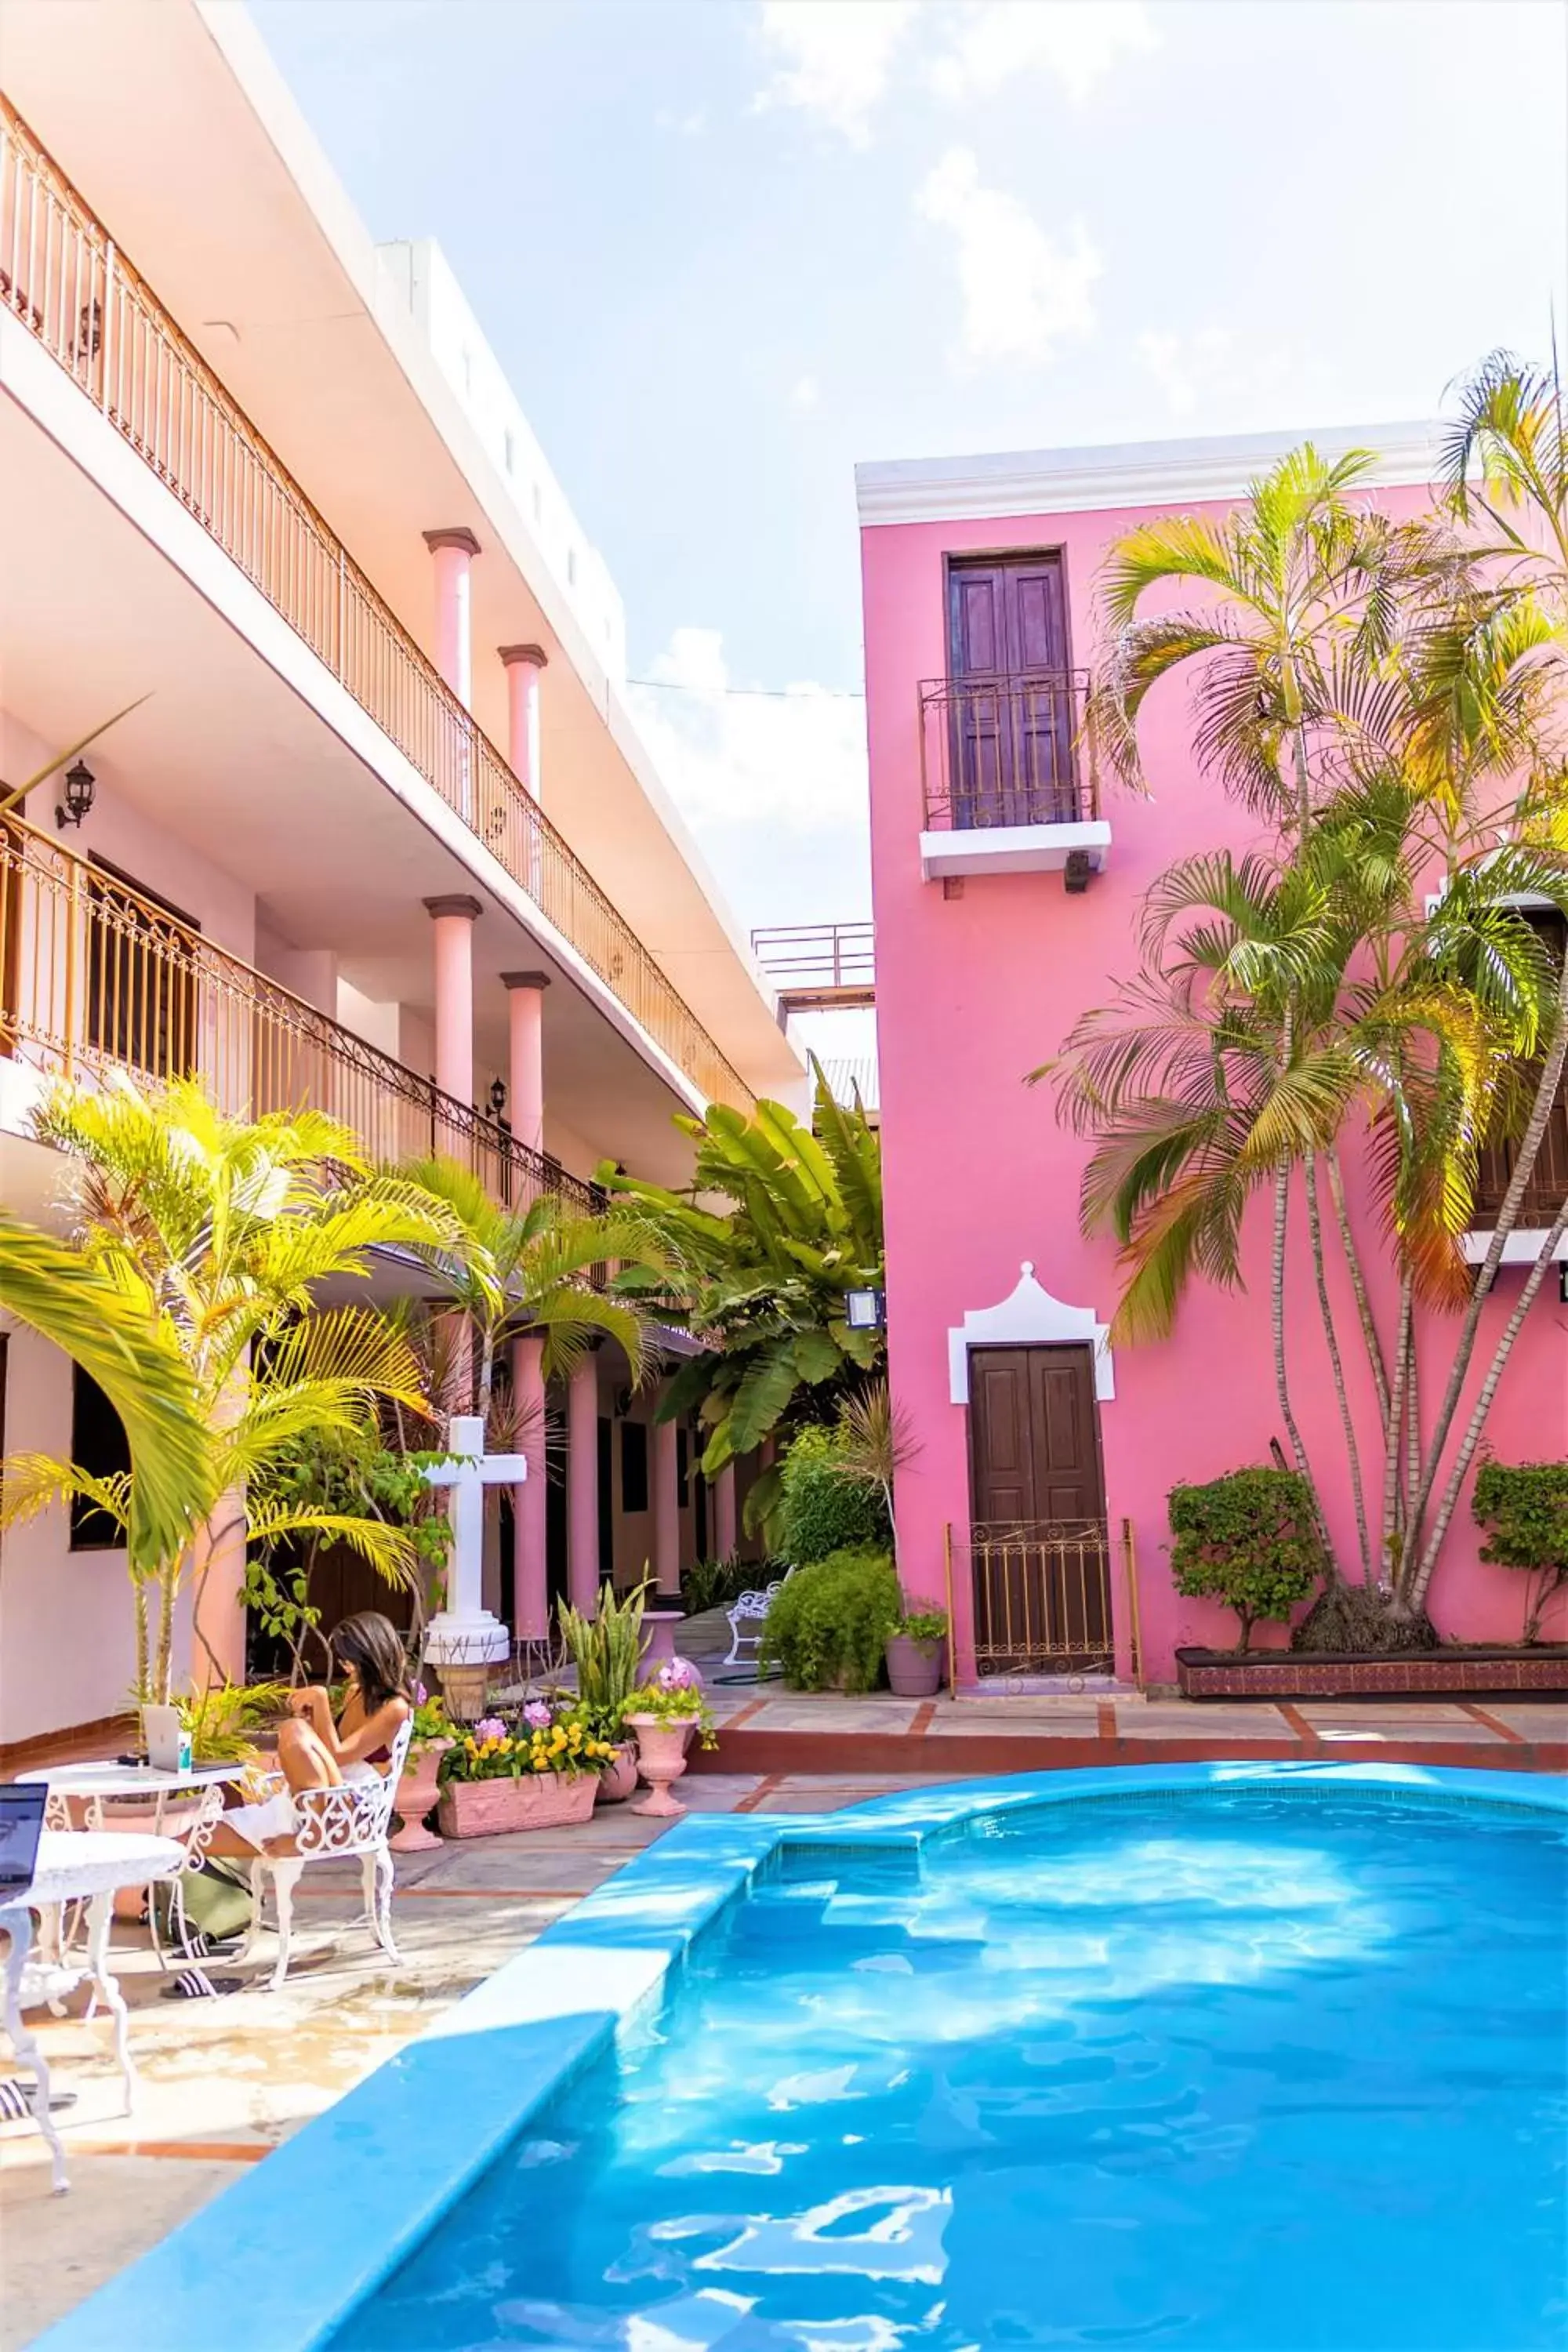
{"x":17,"y":2102}
{"x":194,"y":1984}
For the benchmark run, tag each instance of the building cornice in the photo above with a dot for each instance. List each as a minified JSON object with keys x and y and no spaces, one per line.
{"x":1118,"y":474}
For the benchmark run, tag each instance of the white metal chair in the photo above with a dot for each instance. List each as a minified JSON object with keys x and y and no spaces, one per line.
{"x":350,"y":1823}
{"x":751,"y":1609}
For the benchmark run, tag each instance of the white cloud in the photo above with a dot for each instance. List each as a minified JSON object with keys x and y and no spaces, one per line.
{"x":835,"y":56}
{"x":1214,"y":369}
{"x":684,"y":126}
{"x":1023,"y":292}
{"x":795,"y":762}
{"x":806,"y":394}
{"x":1075,"y":41}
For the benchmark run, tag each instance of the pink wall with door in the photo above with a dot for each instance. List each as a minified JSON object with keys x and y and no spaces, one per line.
{"x":975,"y":990}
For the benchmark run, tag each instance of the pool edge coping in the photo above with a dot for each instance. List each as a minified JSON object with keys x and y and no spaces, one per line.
{"x":287,"y":2288}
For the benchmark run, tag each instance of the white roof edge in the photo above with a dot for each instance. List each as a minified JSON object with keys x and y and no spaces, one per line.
{"x":1121,"y":473}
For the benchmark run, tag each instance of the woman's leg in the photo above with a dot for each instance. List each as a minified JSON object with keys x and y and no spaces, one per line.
{"x":304,"y":1763}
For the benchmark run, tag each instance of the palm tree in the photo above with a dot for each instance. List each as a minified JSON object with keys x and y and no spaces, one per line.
{"x":510,"y":1272}
{"x":212,"y":1234}
{"x":762,"y":1281}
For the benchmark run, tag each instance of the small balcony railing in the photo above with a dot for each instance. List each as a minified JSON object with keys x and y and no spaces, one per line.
{"x":819,"y":966}
{"x":63,"y":276}
{"x":1006,"y":751}
{"x":1041,"y":1595}
{"x":95,"y":976}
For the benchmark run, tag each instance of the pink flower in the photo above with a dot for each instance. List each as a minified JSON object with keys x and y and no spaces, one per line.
{"x":420,"y":1694}
{"x":678,"y":1675}
{"x":537,"y":1715}
{"x":489,"y":1726}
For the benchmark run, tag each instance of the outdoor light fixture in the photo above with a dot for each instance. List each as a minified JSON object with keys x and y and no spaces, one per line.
{"x":1563,"y":1282}
{"x":78,"y":791}
{"x":864,"y":1310}
{"x":497,"y":1097}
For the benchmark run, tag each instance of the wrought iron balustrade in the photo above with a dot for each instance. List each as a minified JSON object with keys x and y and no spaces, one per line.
{"x":1041,"y":1595}
{"x":94,"y":975}
{"x":63,"y":276}
{"x":1006,"y":751}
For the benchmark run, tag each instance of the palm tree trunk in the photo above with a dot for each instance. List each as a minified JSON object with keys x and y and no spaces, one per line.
{"x":1358,"y":1283}
{"x":144,"y":1663}
{"x":1482,"y":1406}
{"x":1508,"y":1217}
{"x":1281,"y":1380}
{"x":1347,"y":1419}
{"x":164,"y":1657}
{"x":1394,"y":1433}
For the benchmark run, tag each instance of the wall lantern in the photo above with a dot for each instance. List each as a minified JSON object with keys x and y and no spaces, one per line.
{"x":498,"y":1097}
{"x":78,"y":791}
{"x":864,"y":1310}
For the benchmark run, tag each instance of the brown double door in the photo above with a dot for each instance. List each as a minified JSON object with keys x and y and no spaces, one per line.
{"x":1037,"y":1508}
{"x":1011,"y":692}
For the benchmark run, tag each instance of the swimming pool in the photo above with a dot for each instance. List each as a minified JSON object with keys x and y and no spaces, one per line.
{"x":1268,"y":2057}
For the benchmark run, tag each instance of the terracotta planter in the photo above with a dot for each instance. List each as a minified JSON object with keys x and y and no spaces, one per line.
{"x":417,"y":1792}
{"x":658,"y":1627}
{"x":661,"y":1758}
{"x":915,"y":1668}
{"x":1471,"y":1672}
{"x":534,"y":1801}
{"x":616,"y":1783}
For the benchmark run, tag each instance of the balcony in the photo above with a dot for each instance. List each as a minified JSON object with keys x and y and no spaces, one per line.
{"x":65,"y":281}
{"x":94,"y":976}
{"x":1007,"y":784}
{"x":819,"y":967}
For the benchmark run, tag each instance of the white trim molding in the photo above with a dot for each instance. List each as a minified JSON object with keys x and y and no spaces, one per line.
{"x":1122,"y":474}
{"x":1029,"y":1316}
{"x":1013,"y":849}
{"x":1521,"y":1247}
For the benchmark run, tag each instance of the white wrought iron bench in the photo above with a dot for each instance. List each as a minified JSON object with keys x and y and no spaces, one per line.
{"x":751,"y":1609}
{"x":350,"y":1823}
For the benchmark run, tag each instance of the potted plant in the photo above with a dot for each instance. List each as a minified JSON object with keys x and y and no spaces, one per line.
{"x":606,"y":1651}
{"x":535,"y":1774}
{"x":664,"y":1712}
{"x":916,"y":1652}
{"x":419,"y":1788}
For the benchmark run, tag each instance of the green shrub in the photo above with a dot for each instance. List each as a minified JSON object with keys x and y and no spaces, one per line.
{"x":1525,"y":1505}
{"x":829,"y":1624}
{"x":714,"y":1583}
{"x":823,"y":1509}
{"x":1248,"y":1539}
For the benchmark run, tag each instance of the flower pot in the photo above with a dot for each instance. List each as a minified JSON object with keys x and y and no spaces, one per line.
{"x":418,"y":1794}
{"x":915,"y":1668}
{"x":534,"y":1801}
{"x":466,"y":1690}
{"x":661,"y":1758}
{"x":658,"y":1638}
{"x":617,"y":1781}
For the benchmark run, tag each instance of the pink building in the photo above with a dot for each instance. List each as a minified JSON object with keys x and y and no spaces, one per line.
{"x":1007,"y":882}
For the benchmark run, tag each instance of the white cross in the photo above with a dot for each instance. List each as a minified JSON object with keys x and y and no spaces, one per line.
{"x":465,"y":1630}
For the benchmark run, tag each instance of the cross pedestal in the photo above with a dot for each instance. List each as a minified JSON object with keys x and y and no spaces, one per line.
{"x":464,"y":1640}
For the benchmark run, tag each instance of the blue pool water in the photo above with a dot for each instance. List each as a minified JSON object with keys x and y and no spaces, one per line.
{"x":1236,"y":2070}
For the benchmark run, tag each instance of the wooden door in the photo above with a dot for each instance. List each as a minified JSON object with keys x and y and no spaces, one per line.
{"x":1041,"y":1563}
{"x":1007,"y":666}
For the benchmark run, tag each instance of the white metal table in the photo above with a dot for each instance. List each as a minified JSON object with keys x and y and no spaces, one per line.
{"x":75,"y":1865}
{"x":92,"y":1785}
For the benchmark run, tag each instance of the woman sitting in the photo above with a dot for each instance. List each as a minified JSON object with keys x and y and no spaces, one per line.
{"x":314,"y":1752}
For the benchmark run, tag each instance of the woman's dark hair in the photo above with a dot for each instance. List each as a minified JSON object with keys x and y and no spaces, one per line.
{"x":373,"y":1646}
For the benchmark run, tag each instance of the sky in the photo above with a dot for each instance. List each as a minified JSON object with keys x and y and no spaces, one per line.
{"x":725,"y":248}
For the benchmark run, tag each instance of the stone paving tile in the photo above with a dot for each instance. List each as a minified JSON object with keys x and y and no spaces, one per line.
{"x":54,"y":2256}
{"x":1162,"y":1719}
{"x":1384,"y":1716}
{"x":1022,"y":1719}
{"x":834,"y":1714}
{"x":1544,"y":1723}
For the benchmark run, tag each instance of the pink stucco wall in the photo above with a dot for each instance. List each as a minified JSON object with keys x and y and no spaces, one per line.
{"x":976,"y":989}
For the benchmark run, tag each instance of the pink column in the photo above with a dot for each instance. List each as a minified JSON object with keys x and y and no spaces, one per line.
{"x":525,"y":1080}
{"x":454,"y":919}
{"x":453,"y":551}
{"x":583,"y":1488}
{"x":666,"y":1508}
{"x":724,"y":1513}
{"x":529,"y":1582}
{"x":524,"y":664}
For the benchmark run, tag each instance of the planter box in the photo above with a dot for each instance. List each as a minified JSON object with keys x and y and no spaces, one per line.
{"x":535,"y":1801}
{"x":1478,"y":1673}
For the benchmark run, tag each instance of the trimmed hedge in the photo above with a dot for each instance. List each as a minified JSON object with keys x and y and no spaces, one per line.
{"x":821,"y":1510}
{"x":828,"y":1626}
{"x":1248,"y":1539}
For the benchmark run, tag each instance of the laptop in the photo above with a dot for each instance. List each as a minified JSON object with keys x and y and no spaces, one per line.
{"x":22,"y":1806}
